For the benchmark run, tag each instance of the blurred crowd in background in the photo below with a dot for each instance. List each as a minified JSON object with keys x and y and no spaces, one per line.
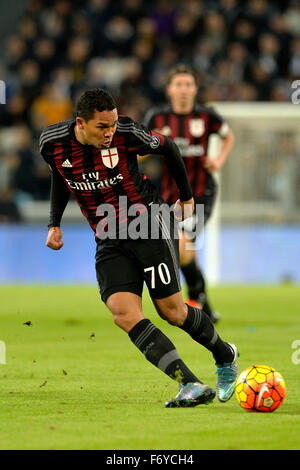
{"x":241,"y":50}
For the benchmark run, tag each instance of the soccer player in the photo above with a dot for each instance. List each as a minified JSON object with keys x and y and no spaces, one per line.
{"x":94,"y":157}
{"x":189,"y":124}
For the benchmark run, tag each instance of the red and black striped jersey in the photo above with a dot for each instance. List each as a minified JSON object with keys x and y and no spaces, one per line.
{"x":100,"y":176}
{"x":191,"y":133}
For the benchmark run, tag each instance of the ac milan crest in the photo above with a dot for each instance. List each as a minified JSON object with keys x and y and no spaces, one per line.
{"x":110,"y":157}
{"x":196,"y":127}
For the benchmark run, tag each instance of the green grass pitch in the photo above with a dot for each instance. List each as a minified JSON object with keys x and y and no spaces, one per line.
{"x":73,"y":380}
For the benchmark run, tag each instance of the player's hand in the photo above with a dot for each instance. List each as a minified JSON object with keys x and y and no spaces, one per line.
{"x":212,"y":164}
{"x":184,"y":209}
{"x":54,"y":238}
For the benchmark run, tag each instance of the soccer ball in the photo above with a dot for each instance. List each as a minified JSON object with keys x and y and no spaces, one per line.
{"x":260,"y":388}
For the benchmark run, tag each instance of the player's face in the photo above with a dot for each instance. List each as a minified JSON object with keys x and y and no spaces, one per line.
{"x":182,"y":89}
{"x":100,"y":130}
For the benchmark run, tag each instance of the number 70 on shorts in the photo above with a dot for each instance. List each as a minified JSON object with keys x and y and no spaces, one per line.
{"x":163,"y":273}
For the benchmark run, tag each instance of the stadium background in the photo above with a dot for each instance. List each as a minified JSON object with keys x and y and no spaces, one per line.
{"x":247,"y":54}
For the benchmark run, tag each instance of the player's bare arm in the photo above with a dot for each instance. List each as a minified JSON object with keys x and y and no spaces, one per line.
{"x":215,"y":164}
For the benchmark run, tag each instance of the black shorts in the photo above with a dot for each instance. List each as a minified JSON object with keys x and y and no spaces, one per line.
{"x":124,"y":266}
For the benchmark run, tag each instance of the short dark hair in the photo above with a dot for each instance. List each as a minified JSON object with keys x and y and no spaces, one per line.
{"x":182,"y":68}
{"x":93,"y":100}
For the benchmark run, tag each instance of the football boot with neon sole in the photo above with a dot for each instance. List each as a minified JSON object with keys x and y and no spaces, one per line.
{"x":227,"y":376}
{"x":192,"y":394}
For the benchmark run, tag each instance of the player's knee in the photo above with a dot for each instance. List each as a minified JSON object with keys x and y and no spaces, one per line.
{"x":126,"y":310}
{"x":125,"y":318}
{"x":118,"y":318}
{"x":174,"y":315}
{"x":119,"y":313}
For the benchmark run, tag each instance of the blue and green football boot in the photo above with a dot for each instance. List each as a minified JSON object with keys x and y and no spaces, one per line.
{"x":227,"y":375}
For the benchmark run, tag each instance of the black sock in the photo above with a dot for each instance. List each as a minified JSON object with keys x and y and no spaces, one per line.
{"x":160,"y":351}
{"x":206,"y":307}
{"x":196,"y":285}
{"x":202,"y":330}
{"x":191,"y":274}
